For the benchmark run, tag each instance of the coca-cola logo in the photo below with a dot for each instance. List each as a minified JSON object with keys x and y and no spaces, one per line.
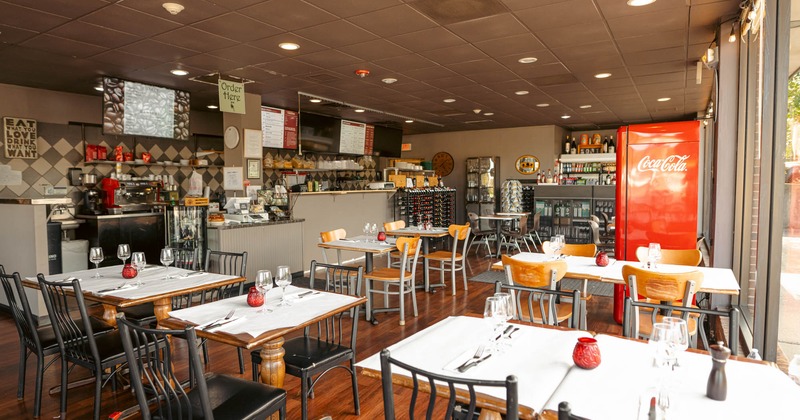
{"x":673,"y":163}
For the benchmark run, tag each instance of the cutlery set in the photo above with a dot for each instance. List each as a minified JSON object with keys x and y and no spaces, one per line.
{"x":219,"y":322}
{"x":479,"y":356}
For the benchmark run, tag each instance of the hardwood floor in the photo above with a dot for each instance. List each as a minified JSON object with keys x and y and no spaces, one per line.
{"x":333,"y":395}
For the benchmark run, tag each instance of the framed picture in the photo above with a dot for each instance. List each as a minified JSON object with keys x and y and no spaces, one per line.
{"x":253,"y":168}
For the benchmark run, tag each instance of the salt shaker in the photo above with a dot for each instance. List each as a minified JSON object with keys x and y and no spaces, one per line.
{"x":717,"y":388}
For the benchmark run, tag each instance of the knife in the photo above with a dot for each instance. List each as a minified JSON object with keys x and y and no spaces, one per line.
{"x":220,"y":323}
{"x":470,"y":365}
{"x":506,"y":332}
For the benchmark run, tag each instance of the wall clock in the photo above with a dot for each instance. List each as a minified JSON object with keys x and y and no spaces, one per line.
{"x":231,"y":137}
{"x":442,"y":163}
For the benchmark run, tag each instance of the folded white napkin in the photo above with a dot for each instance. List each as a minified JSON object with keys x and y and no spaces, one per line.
{"x":126,"y":286}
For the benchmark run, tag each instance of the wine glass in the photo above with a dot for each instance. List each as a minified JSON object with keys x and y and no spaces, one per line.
{"x":283,"y":279}
{"x":96,"y":256}
{"x":554,"y":245}
{"x":366,"y":229}
{"x":494,"y":313}
{"x":373,"y":230}
{"x":508,"y":302}
{"x":680,"y":335}
{"x":167,"y":258}
{"x":123,"y":252}
{"x":138,"y":262}
{"x":661,"y":342}
{"x":264,"y":284}
{"x":653,"y":254}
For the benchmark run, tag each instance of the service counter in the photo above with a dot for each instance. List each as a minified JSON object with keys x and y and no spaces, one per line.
{"x":142,"y":231}
{"x":268,"y":245}
{"x":329,"y":210}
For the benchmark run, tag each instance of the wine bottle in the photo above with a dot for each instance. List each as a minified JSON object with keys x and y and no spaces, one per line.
{"x":612,"y":148}
{"x":605,"y":144}
{"x":574,"y":147}
{"x":567,"y":146}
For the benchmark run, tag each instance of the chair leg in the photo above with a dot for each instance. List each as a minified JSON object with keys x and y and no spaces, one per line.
{"x":241,"y":360}
{"x":368,"y":293}
{"x":386,"y":294}
{"x":304,"y":396}
{"x":37,"y":399}
{"x":426,"y":266}
{"x":402,"y":302}
{"x":64,"y":373}
{"x":453,"y":276}
{"x":414,"y":300}
{"x":23,"y":358}
{"x":255,"y":370}
{"x":205,"y":353}
{"x":356,"y":403}
{"x":464,"y":272}
{"x":98,"y":386}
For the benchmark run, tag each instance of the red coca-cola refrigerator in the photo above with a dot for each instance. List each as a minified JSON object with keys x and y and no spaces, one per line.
{"x":657,"y":190}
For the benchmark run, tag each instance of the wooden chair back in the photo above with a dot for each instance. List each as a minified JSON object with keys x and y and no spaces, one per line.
{"x":397,"y":224}
{"x":437,"y":385}
{"x":575,"y":250}
{"x":332,"y":235}
{"x":660,"y":286}
{"x":459,"y":232}
{"x":691,"y":257}
{"x":535,"y":274}
{"x":413,"y":243}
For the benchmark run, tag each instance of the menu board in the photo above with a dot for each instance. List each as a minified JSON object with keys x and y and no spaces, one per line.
{"x":369,"y":139}
{"x":279,"y":128}
{"x":352,"y":137}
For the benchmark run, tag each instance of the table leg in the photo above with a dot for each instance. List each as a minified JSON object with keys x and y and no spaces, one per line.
{"x":425,"y":250}
{"x":498,"y":226}
{"x":368,"y":262}
{"x":110,"y":314}
{"x":273,"y":368}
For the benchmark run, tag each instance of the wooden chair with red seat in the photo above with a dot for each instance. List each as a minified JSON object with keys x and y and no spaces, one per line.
{"x":394,"y":254}
{"x":541,"y":275}
{"x":400,"y":278}
{"x":577,"y":250}
{"x":674,"y":289}
{"x":329,"y":236}
{"x":450,"y":260}
{"x":691,"y":257}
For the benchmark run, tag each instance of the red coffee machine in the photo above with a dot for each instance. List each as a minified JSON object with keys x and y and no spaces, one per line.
{"x":109,"y":187}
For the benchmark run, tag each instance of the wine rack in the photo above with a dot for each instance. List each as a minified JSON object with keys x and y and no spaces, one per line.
{"x":435,"y":205}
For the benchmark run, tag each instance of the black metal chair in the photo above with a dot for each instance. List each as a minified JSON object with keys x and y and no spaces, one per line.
{"x":162,"y":394}
{"x":480,"y":236}
{"x":144,"y":314}
{"x":529,"y":300}
{"x":565,"y":412}
{"x":444,"y":384}
{"x":76,"y":339}
{"x":319,"y":352}
{"x":231,"y":264}
{"x":732,"y":314}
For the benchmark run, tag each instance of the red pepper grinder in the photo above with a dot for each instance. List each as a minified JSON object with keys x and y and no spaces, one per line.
{"x":717,"y":388}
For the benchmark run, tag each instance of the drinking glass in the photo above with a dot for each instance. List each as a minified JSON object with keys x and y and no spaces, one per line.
{"x":123,"y":252}
{"x":138,"y":262}
{"x":653,"y":254}
{"x":264,"y":284}
{"x":96,"y":256}
{"x":167,"y":258}
{"x":283,"y":279}
{"x":366,"y":229}
{"x":661,"y":342}
{"x":508,"y":302}
{"x":373,"y":230}
{"x":494,"y":313}
{"x":680,"y":335}
{"x":554,"y":245}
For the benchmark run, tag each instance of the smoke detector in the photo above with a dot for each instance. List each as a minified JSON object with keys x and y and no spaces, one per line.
{"x":477,"y":110}
{"x":173,"y":8}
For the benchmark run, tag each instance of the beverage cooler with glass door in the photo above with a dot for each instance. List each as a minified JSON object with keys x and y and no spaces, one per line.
{"x":483,"y":181}
{"x":186,"y":234}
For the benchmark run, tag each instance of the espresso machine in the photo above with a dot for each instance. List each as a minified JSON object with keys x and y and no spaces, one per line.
{"x":91,"y":197}
{"x":130,"y":196}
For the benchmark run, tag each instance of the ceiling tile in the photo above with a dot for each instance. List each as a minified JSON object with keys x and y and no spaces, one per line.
{"x":31,"y":19}
{"x":374,"y":50}
{"x":430,"y":73}
{"x":237,"y":27}
{"x":615,"y":8}
{"x":245,"y":55}
{"x":93,"y":34}
{"x":655,"y":56}
{"x":347,"y":8}
{"x":651,"y":41}
{"x":660,"y":78}
{"x":337,"y":34}
{"x":405,"y":63}
{"x":125,"y":19}
{"x":572,"y":35}
{"x":449,"y":12}
{"x":66,"y":8}
{"x":12,"y":35}
{"x":209,"y":63}
{"x":456,"y":54}
{"x":485,"y":65}
{"x":277,"y":13}
{"x":545,"y":70}
{"x":63,"y":46}
{"x":393,"y":21}
{"x":427,"y":39}
{"x":329,"y":58}
{"x":194,"y":39}
{"x":271,"y":44}
{"x":194,"y":11}
{"x":289,"y":66}
{"x":523,"y":45}
{"x":489,"y":28}
{"x":123,"y":59}
{"x":659,"y":68}
{"x":650,"y":23}
{"x":556,"y":14}
{"x":157,"y":50}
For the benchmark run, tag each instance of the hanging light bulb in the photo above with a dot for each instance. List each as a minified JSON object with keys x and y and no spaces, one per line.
{"x":732,"y":37}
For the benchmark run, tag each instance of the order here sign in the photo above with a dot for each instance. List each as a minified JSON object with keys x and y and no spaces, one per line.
{"x":231,"y":96}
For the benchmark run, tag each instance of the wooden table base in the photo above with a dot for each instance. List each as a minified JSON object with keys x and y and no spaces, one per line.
{"x":273,"y":368}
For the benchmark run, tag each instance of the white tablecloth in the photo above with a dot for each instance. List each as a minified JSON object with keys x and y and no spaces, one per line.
{"x":152,"y":279}
{"x":714,"y":278}
{"x":613,"y":389}
{"x":363,"y":243}
{"x":250,"y":321}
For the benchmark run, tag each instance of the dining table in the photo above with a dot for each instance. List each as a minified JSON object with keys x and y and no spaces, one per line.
{"x":256,"y":327}
{"x":718,"y":280}
{"x":151,"y":285}
{"x":426,"y":235}
{"x":541,"y":359}
{"x":498,"y":218}
{"x":366,"y":244}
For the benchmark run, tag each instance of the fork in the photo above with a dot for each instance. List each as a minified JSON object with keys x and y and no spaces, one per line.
{"x":219,"y":321}
{"x":663,"y":400}
{"x":476,"y":356}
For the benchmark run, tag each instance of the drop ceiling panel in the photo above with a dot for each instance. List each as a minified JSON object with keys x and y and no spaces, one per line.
{"x":245,"y":55}
{"x":374,"y":50}
{"x":651,"y":41}
{"x":271,"y":44}
{"x":572,"y":35}
{"x":157,"y":50}
{"x":289,"y":67}
{"x":655,"y":56}
{"x":393,"y":21}
{"x":93,"y":34}
{"x":63,"y":46}
{"x":336,"y":34}
{"x":194,"y":11}
{"x":406,"y":62}
{"x":32,"y":19}
{"x":237,"y":27}
{"x":194,"y":39}
{"x":125,"y":19}
{"x":427,"y":39}
{"x":347,"y":8}
{"x":480,"y":66}
{"x":518,"y":46}
{"x":456,"y":54}
{"x":615,"y":8}
{"x":556,"y":14}
{"x":489,"y":28}
{"x":126,"y":60}
{"x":299,"y":15}
{"x":649,"y":23}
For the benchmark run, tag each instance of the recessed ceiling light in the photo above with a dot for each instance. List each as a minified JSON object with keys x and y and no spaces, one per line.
{"x":289,"y":46}
{"x":449,"y":100}
{"x":565,"y":117}
{"x":488,"y":114}
{"x":521,"y":92}
{"x":389,"y":80}
{"x":637,"y":3}
{"x":542,"y":105}
{"x":315,"y":100}
{"x":527,"y":60}
{"x":179,"y":72}
{"x":212,"y":107}
{"x":409,"y":121}
{"x":98,"y":88}
{"x":585,"y":106}
{"x":602,"y":75}
{"x":663,"y":99}
{"x":358,"y":110}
